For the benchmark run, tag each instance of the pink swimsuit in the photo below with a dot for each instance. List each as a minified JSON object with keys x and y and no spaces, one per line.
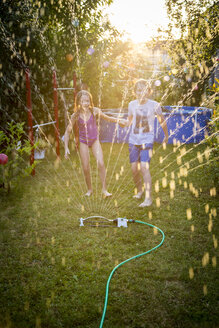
{"x":88,"y":132}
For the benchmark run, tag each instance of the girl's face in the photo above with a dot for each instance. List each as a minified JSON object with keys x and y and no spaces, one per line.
{"x":141,"y":91}
{"x":85,"y":102}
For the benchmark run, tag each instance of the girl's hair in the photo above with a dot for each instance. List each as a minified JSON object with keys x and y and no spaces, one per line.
{"x":144,"y":82}
{"x":78,"y":100}
{"x":77,"y":109}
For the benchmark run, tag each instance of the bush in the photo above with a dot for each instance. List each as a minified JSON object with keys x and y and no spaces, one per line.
{"x":14,"y":144}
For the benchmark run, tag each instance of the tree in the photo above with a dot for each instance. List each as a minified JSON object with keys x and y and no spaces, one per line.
{"x":194,"y":53}
{"x":39,"y":35}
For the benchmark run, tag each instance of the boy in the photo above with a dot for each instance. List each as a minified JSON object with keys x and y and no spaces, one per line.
{"x":141,"y":116}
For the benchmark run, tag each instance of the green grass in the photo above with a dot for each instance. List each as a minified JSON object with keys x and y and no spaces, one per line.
{"x":53,"y":273}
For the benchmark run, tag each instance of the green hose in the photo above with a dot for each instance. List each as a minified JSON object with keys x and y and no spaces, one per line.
{"x":120,"y":264}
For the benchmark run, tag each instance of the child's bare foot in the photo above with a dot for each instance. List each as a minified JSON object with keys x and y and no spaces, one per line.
{"x":89,"y":193}
{"x":138,"y":195}
{"x":106,"y":193}
{"x":146,"y":202}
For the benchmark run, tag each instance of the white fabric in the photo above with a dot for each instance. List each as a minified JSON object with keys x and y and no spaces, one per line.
{"x":142,"y":128}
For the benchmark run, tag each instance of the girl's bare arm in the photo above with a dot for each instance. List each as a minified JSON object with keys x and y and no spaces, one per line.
{"x":67,"y":133}
{"x":129,"y":121}
{"x":98,"y":111}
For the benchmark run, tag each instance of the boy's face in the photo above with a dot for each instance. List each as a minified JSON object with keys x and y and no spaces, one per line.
{"x":141,"y":91}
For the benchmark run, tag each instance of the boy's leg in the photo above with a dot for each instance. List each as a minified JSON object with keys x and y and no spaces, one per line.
{"x":98,"y":154}
{"x":85,"y":160}
{"x":137,"y":178}
{"x":134,"y":155}
{"x":145,"y":156}
{"x":147,"y":182}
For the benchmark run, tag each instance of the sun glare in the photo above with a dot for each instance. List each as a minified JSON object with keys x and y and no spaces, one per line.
{"x":139,"y":19}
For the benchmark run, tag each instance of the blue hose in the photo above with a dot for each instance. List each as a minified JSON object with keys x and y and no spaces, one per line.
{"x":132,"y":258}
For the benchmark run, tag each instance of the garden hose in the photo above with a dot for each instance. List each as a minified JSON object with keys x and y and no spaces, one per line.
{"x":120,"y":264}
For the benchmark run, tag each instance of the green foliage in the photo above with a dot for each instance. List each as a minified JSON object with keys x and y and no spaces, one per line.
{"x":16,"y":147}
{"x":194,"y":53}
{"x":39,"y":35}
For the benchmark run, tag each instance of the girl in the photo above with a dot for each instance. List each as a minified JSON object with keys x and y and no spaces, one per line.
{"x":84,"y":117}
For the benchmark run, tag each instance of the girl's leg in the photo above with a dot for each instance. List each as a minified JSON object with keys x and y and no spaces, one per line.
{"x":137,"y":179}
{"x":98,"y":154}
{"x":147,"y":181}
{"x":85,"y":160}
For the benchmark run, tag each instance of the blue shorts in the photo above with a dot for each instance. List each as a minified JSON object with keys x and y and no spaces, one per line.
{"x":140,"y":153}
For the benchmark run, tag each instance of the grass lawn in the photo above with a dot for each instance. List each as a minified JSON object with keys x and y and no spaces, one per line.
{"x":53,"y":273}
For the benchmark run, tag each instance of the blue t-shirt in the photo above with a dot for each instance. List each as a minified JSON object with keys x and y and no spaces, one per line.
{"x":142,"y":128}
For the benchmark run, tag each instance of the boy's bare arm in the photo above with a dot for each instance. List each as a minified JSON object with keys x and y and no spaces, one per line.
{"x":163,"y":124}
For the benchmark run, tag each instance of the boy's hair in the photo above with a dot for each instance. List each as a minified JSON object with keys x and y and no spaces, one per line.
{"x":146,"y":83}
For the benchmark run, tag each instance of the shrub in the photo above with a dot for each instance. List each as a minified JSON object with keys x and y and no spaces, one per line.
{"x":16,"y":146}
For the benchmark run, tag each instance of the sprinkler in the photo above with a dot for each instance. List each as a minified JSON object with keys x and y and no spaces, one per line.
{"x":92,"y":221}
